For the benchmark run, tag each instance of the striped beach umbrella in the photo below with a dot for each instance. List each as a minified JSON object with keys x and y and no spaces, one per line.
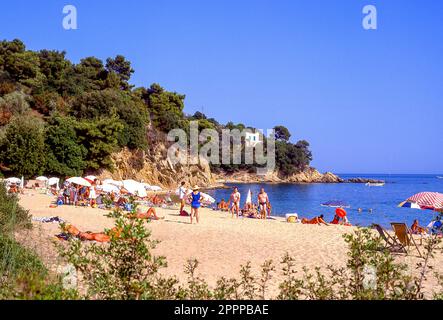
{"x":424,"y":200}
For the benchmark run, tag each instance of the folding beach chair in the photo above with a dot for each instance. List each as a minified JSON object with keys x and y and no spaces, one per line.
{"x":391,"y":243}
{"x":404,"y":236}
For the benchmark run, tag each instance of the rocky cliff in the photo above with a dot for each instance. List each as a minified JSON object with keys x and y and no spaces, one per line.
{"x":154,"y":168}
{"x":310,"y":175}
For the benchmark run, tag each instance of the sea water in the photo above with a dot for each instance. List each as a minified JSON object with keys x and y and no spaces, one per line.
{"x":378,"y":204}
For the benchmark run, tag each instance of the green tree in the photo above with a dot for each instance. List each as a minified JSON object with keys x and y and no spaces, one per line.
{"x":99,"y":138}
{"x":122,"y":68}
{"x":165,"y":108}
{"x":13,"y":104}
{"x":54,"y":66}
{"x":65,"y":156}
{"x":282,"y":133}
{"x":22,"y":148}
{"x":130,"y":110}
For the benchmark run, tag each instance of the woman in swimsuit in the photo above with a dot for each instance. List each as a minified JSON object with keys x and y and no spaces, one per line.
{"x":195,"y":203}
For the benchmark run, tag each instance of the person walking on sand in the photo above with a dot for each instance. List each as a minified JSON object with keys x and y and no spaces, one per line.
{"x":182,"y":196}
{"x":195,"y":203}
{"x":235,"y":200}
{"x":263,"y":201}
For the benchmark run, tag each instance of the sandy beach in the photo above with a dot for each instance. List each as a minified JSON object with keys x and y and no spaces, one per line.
{"x":220,"y":243}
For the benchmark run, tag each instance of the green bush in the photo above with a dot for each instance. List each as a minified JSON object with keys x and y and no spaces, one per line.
{"x":22,"y":148}
{"x":12,"y":215}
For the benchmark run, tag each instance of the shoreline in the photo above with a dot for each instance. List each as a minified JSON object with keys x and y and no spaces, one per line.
{"x":220,"y":243}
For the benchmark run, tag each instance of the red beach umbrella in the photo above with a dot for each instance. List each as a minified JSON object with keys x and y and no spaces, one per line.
{"x":426,"y":200}
{"x":340,"y":212}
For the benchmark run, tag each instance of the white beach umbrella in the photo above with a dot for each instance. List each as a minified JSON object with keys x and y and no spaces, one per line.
{"x":146,"y":186}
{"x":206,"y":198}
{"x":249,"y":197}
{"x":80,"y":181}
{"x":113,"y":182}
{"x":93,"y":178}
{"x":156,"y":188}
{"x":42,"y":178}
{"x":135,"y":188}
{"x":14,"y":180}
{"x":54,"y":182}
{"x":108,"y":188}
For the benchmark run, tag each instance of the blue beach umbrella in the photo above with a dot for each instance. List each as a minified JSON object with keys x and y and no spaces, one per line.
{"x":336,"y":204}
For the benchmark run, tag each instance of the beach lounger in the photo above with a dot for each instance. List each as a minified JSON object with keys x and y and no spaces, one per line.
{"x":391,"y":243}
{"x":404,"y":236}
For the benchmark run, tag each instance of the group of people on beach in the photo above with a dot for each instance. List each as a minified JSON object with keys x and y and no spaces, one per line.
{"x":250,"y":210}
{"x":261,"y":210}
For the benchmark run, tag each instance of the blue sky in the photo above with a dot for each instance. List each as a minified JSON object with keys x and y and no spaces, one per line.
{"x":367,"y":101}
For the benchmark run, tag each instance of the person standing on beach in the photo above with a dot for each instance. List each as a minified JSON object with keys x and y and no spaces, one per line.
{"x":182,"y":196}
{"x":235,"y":199}
{"x":195,"y":203}
{"x":263,"y":201}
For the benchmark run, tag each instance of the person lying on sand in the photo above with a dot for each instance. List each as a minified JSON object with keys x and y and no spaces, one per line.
{"x":317,"y":220}
{"x":151,"y":214}
{"x":416,"y":229}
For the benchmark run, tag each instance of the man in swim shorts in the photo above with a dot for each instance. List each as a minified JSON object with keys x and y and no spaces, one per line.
{"x":235,"y":200}
{"x":263,"y":201}
{"x":182,"y":196}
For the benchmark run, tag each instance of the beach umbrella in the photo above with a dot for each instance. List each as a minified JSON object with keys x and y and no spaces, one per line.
{"x":336,"y":204}
{"x":53,"y":182}
{"x":249,"y":197}
{"x":341,"y":212}
{"x":80,"y":181}
{"x":155,"y":188}
{"x":206,"y":198}
{"x":92,"y":178}
{"x":108,"y":188}
{"x":406,"y":204}
{"x":14,"y":180}
{"x":89,"y":180}
{"x":114,"y":182}
{"x":424,"y":201}
{"x":41,"y":178}
{"x":134,"y":187}
{"x":146,"y":186}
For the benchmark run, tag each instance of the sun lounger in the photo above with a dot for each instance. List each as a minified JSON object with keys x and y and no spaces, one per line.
{"x":404,"y":236}
{"x":390,"y":243}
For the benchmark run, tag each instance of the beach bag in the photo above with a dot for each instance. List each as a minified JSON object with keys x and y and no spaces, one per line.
{"x":292,"y":219}
{"x":184,"y":213}
{"x":60,"y":202}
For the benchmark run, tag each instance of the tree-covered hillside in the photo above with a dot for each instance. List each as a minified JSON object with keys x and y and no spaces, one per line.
{"x":61,"y":118}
